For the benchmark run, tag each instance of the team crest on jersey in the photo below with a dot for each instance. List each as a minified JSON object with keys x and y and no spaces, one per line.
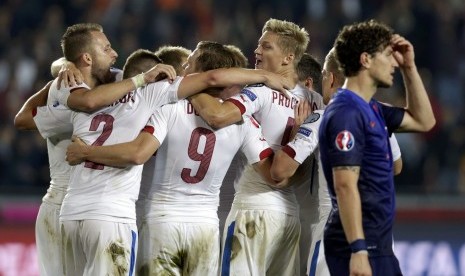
{"x":304,"y":131}
{"x":249,"y":94}
{"x":345,"y":141}
{"x":313,"y":118}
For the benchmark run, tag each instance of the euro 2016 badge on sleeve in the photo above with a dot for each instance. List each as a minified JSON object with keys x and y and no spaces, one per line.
{"x":344,"y":141}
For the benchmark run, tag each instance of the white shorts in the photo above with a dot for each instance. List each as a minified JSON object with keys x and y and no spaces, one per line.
{"x":96,"y":247}
{"x":48,"y":239}
{"x":260,"y":242}
{"x":177,"y":248}
{"x":316,"y":262}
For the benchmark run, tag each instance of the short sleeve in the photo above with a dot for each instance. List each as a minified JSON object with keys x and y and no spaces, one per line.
{"x":254,"y":147}
{"x":306,"y":140}
{"x":160,"y":93}
{"x":159,"y":122}
{"x":52,"y":120}
{"x":345,"y":136}
{"x":393,"y":116}
{"x":60,"y":96}
{"x":249,"y":100}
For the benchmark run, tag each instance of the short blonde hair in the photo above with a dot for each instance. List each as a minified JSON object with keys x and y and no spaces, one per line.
{"x":292,"y":38}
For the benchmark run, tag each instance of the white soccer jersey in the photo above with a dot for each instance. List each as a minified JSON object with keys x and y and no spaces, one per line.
{"x":56,"y":147}
{"x":97,"y":191}
{"x":192,"y":162}
{"x":275,"y":113}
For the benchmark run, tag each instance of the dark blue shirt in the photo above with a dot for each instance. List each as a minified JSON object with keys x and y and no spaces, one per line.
{"x":356,"y":133}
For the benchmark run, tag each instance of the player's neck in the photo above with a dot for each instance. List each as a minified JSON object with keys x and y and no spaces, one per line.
{"x":87,"y":76}
{"x":290,"y":75}
{"x":361,"y":86}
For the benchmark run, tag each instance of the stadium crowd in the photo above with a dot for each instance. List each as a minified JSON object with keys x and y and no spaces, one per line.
{"x":30,"y":33}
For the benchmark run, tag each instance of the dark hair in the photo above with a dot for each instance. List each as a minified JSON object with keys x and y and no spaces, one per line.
{"x":309,"y":66}
{"x":77,"y":40}
{"x":364,"y":37}
{"x":138,"y":62}
{"x":174,"y":56}
{"x":213,"y":55}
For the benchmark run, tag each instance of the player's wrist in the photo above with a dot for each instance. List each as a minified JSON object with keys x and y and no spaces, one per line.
{"x":358,"y":245}
{"x":361,"y":252}
{"x":138,"y":80}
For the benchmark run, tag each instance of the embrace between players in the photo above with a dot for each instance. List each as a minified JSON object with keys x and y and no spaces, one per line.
{"x":152,"y":145}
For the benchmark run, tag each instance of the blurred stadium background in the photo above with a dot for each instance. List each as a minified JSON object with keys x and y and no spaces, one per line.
{"x":430,"y":226}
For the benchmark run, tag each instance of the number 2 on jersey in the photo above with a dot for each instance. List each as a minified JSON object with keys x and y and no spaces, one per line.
{"x":204,"y":157}
{"x":107,"y":121}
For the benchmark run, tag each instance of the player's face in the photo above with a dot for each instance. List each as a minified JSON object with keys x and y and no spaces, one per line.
{"x":383,"y":67}
{"x":189,"y":65}
{"x":268,"y":55}
{"x":103,"y":57}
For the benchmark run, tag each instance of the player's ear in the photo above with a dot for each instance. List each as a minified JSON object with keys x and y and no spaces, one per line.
{"x":365,"y":59}
{"x":309,"y":83}
{"x":87,"y":58}
{"x":332,"y":79}
{"x":289,"y":59}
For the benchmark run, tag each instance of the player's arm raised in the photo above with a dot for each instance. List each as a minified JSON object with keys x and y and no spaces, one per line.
{"x":419,"y":114}
{"x":103,"y":95}
{"x":24,"y":118}
{"x":218,"y":114}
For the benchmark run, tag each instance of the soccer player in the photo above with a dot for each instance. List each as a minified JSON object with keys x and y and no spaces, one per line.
{"x":98,"y":210}
{"x":355,"y":152}
{"x":262,"y":231}
{"x":175,"y":56}
{"x":47,"y":229}
{"x":287,"y":160}
{"x":309,"y":72}
{"x":309,"y":75}
{"x":190,"y":166}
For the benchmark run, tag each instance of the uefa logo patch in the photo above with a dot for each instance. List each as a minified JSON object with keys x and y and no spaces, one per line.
{"x":344,"y":141}
{"x":249,"y":94}
{"x":304,"y":131}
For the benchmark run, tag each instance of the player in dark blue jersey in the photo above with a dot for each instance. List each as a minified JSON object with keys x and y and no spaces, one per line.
{"x":355,"y":151}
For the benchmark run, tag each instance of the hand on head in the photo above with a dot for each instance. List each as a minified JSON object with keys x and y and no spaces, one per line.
{"x":403,"y":51}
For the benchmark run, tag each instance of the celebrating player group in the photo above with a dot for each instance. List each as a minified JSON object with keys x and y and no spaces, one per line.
{"x":138,"y":155}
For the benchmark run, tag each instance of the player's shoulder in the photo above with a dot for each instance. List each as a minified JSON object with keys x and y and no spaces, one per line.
{"x":252,"y":92}
{"x":257,"y":87}
{"x":314,"y":117}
